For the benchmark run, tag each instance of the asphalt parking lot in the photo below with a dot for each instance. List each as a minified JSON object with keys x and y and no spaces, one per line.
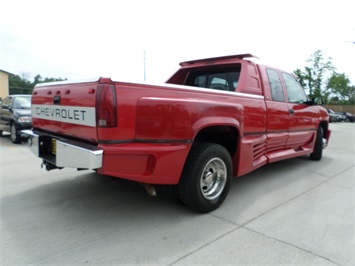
{"x":291,"y":212}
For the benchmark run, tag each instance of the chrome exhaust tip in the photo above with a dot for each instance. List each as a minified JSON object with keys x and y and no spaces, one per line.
{"x":150,"y":189}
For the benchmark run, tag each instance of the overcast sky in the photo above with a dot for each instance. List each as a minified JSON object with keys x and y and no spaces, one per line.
{"x":79,"y":39}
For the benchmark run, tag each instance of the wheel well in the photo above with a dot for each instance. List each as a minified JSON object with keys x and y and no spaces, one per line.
{"x":226,"y":136}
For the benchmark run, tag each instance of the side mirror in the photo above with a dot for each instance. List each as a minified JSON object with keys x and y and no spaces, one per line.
{"x":316,"y":101}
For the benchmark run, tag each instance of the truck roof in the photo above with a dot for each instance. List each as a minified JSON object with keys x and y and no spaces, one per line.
{"x":215,"y":59}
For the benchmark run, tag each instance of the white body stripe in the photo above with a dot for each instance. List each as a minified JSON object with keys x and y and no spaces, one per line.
{"x":69,"y":114}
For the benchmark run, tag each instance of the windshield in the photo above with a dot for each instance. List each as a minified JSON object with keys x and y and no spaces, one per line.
{"x":23,"y":102}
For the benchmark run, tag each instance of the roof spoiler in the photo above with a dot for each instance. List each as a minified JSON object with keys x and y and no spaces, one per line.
{"x":213,"y":59}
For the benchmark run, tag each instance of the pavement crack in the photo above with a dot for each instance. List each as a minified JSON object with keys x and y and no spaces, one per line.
{"x":296,"y":196}
{"x":290,"y":245}
{"x":205,"y":245}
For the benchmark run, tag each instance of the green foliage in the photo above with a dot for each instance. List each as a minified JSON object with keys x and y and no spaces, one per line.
{"x":321,"y":80}
{"x":342,"y":92}
{"x":21,"y":84}
{"x":315,"y":75}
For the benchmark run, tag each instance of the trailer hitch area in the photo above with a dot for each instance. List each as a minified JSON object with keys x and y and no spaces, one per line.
{"x":49,"y":166}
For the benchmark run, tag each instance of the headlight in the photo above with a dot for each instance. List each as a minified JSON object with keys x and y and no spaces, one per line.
{"x":25,"y":119}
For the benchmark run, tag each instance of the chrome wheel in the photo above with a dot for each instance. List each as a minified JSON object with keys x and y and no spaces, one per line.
{"x":213,"y":179}
{"x":206,"y":177}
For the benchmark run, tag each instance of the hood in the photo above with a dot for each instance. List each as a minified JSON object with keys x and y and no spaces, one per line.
{"x":22,"y":112}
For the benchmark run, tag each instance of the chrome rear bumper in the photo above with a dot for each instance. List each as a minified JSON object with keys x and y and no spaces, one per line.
{"x":65,"y":153}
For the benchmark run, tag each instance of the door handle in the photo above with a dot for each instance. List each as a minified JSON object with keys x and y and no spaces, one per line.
{"x":291,"y":111}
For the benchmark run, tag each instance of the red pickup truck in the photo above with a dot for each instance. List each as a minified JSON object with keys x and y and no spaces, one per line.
{"x":214,"y":119}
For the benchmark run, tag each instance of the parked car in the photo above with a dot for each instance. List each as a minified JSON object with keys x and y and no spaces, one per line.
{"x":350,"y":117}
{"x":333,"y":117}
{"x":15,"y":115}
{"x":342,"y":116}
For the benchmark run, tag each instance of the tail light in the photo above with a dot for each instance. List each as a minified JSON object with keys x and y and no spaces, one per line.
{"x":106,"y":106}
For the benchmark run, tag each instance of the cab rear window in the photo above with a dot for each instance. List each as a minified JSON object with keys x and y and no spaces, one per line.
{"x":225,"y":79}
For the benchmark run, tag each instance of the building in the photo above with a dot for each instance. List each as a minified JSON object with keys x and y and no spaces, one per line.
{"x":4,"y":83}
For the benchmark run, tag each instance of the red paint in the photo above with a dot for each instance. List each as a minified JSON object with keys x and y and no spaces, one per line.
{"x":155,"y":125}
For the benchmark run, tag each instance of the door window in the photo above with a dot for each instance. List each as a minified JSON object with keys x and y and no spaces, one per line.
{"x":295,"y":91}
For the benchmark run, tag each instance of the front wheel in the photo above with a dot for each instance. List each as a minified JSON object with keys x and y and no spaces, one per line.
{"x":15,"y":136}
{"x":206,"y":177}
{"x":317,"y":153}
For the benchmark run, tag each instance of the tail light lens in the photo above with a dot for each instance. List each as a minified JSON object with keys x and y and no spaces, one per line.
{"x":106,"y":106}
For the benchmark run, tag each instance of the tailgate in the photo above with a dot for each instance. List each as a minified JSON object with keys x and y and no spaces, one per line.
{"x":66,"y":109}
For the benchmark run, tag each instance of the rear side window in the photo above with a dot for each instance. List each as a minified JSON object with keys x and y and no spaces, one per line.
{"x":221,"y":79}
{"x":275,"y":85}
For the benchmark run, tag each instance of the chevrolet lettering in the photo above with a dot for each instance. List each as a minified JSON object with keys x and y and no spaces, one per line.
{"x":214,"y":119}
{"x":69,"y":114}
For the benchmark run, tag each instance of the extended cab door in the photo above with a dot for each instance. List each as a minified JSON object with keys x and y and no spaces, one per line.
{"x":302,"y":116}
{"x":278,"y":117}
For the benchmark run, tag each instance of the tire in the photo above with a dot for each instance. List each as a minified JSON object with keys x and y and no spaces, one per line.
{"x":15,"y":136}
{"x":317,"y":153}
{"x":206,"y":177}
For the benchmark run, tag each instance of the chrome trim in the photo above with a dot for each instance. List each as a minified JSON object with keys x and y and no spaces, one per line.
{"x":32,"y":141}
{"x":67,"y":154}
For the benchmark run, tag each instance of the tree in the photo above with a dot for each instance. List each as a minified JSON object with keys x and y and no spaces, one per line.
{"x":315,"y":76}
{"x":339,"y":86}
{"x":21,"y":84}
{"x":37,"y":79}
